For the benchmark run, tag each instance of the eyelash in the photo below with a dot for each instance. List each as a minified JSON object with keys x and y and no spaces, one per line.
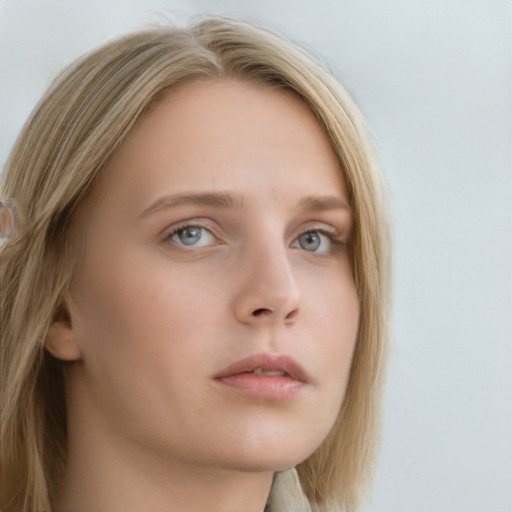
{"x":336,"y":244}
{"x":169,"y":237}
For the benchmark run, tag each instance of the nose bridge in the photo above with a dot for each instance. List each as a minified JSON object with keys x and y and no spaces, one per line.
{"x":268,"y":286}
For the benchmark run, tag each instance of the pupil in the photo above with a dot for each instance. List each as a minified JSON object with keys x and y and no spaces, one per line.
{"x":310,"y":241}
{"x":189,"y":236}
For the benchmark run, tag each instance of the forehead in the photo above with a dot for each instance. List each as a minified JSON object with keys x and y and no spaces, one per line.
{"x":226,"y":133}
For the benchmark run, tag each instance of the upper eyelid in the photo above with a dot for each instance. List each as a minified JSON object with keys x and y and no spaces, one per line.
{"x":171,"y":231}
{"x":320,"y":226}
{"x":335,"y":243}
{"x":167,"y":239}
{"x":199,"y":223}
{"x":332,"y":234}
{"x":338,"y":237}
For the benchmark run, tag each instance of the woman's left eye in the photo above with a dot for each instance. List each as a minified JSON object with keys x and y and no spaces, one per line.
{"x":314,"y":241}
{"x":192,"y":236}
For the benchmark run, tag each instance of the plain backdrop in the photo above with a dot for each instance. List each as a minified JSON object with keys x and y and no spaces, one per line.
{"x":434,"y":79}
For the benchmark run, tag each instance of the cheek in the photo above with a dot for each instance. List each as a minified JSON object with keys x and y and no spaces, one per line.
{"x":141,"y":340}
{"x":346,"y":325}
{"x":336,"y":321}
{"x":147,"y":312}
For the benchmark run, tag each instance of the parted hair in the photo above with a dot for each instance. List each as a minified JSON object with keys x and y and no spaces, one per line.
{"x":56,"y":162}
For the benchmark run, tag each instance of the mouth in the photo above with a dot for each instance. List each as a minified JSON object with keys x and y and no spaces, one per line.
{"x":268,"y":365}
{"x":270,"y":373}
{"x":265,"y":376}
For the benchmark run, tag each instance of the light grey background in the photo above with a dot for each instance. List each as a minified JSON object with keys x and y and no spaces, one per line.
{"x":434,"y":78}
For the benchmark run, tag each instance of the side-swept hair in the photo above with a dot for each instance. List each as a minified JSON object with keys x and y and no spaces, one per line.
{"x":57,"y":160}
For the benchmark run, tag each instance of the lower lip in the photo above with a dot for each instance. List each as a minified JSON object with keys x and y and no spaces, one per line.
{"x":265,"y":387}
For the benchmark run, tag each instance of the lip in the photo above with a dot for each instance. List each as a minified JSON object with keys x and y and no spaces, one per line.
{"x":237,"y":376}
{"x":267,"y":362}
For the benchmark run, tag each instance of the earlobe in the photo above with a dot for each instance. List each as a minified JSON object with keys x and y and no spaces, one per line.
{"x":60,"y":340}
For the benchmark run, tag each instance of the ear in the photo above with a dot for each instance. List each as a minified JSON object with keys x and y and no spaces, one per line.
{"x":60,"y":341}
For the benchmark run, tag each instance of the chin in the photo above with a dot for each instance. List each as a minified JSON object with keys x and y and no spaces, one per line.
{"x":277,"y":442}
{"x":273,"y":452}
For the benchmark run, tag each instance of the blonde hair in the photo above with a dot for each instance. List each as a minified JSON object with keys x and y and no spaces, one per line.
{"x":56,"y":162}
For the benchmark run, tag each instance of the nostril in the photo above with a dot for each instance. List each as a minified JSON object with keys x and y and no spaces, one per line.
{"x":261,"y":312}
{"x":265,"y":312}
{"x":292,"y":314}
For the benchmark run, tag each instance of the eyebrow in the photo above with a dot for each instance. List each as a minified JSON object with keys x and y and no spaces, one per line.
{"x":310,"y":204}
{"x":212,"y":199}
{"x":315,"y":204}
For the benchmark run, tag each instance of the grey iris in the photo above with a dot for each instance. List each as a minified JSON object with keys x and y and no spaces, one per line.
{"x":309,"y":241}
{"x":189,"y":235}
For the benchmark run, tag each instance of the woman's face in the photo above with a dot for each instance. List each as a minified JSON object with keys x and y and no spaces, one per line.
{"x":218,"y":247}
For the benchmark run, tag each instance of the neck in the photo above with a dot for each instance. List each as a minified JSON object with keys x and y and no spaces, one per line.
{"x":106,"y":472}
{"x":95,"y":482}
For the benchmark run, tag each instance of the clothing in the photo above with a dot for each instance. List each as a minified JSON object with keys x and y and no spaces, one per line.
{"x":286,"y":494}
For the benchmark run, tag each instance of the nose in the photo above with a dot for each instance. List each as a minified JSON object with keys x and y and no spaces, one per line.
{"x":268,"y":291}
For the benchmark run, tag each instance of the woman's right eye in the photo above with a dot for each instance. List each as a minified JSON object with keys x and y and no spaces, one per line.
{"x":192,"y":236}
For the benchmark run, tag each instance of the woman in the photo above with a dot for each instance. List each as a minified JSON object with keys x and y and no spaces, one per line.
{"x":196,"y":302}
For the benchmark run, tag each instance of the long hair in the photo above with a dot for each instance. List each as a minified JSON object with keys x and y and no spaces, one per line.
{"x":57,"y":160}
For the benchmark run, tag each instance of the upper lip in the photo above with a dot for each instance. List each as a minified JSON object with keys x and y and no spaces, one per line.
{"x":268,"y":362}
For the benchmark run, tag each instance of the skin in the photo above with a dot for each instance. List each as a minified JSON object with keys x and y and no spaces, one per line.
{"x":7,"y":224}
{"x":152,"y":320}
